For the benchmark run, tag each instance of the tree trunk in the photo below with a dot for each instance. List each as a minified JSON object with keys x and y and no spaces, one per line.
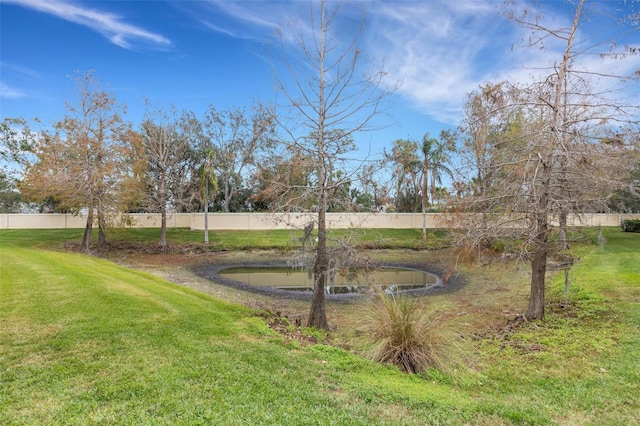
{"x":102,"y":232}
{"x":102,"y":227}
{"x":433,"y":186}
{"x":163,"y":227}
{"x":86,"y":239}
{"x":162,"y":199}
{"x":535,"y":310}
{"x":206,"y":222}
{"x":564,"y":242}
{"x":425,"y":180}
{"x":416,"y":196}
{"x":227,"y":195}
{"x":317,"y":316}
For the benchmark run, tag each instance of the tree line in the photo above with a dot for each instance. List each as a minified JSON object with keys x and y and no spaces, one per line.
{"x":93,"y":161}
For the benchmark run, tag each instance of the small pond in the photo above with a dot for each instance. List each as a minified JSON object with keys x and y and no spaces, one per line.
{"x":391,"y":280}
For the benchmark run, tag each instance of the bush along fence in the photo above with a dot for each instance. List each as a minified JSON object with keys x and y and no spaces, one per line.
{"x":631,"y":225}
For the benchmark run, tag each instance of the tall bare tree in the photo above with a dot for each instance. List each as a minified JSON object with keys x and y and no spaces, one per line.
{"x":171,"y":179}
{"x":333,"y":97}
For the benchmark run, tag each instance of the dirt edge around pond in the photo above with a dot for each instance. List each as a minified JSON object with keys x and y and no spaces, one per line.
{"x":211,"y":272}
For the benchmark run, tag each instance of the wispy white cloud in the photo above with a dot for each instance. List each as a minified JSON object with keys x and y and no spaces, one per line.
{"x":441,"y":50}
{"x":111,"y":26}
{"x":260,"y":20}
{"x":432,"y":48}
{"x":438,"y":50}
{"x":243,"y":20}
{"x":21,"y":70}
{"x":14,"y":72}
{"x":8,"y":92}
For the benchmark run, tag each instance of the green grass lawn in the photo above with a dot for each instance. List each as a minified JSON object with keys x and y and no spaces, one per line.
{"x":85,"y":341}
{"x":235,"y":240}
{"x":285,"y":239}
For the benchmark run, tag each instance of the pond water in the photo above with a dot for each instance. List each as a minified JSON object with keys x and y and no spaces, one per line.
{"x":391,"y":280}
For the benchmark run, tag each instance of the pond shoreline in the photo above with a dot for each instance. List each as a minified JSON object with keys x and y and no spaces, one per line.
{"x":211,"y":272}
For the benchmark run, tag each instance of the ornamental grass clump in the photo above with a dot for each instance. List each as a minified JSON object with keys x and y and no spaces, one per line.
{"x":405,"y":334}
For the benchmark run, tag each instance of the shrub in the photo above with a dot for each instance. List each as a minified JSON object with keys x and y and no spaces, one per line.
{"x":498,"y":246}
{"x":405,"y":334}
{"x":631,"y":225}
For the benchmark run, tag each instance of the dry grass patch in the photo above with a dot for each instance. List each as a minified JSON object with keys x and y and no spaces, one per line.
{"x":406,"y":334}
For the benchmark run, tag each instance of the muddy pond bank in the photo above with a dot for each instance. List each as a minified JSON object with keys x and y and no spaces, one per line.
{"x":447,"y":282}
{"x":198,"y":269}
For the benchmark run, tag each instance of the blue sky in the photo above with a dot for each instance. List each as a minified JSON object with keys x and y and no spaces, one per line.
{"x":195,"y":53}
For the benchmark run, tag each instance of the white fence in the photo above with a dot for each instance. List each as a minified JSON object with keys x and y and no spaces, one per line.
{"x":263,"y":221}
{"x":62,"y":221}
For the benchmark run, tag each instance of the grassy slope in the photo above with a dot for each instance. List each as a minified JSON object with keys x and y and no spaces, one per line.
{"x":85,"y":341}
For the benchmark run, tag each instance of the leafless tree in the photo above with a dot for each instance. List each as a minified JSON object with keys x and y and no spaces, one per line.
{"x":171,"y":179}
{"x":333,"y":97}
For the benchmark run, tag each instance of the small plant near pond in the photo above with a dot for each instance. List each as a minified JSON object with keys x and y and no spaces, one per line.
{"x":406,"y":334}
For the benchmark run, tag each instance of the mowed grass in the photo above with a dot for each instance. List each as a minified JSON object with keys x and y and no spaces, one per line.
{"x":85,"y":341}
{"x":285,"y":239}
{"x":236,"y":240}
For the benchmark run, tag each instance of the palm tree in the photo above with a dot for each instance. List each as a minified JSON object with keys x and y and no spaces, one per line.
{"x":434,"y":161}
{"x":439,"y":158}
{"x":427,"y":156}
{"x":404,"y":156}
{"x":207,"y":180}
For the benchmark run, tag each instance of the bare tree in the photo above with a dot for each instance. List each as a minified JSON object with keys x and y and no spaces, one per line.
{"x":170,"y":178}
{"x":332,"y":99}
{"x":540,"y":154}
